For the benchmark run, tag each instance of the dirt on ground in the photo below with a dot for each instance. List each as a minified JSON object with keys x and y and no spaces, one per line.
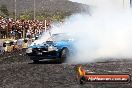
{"x":18,"y":71}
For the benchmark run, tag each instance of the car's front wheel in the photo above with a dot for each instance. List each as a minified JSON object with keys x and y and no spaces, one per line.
{"x":64,"y":55}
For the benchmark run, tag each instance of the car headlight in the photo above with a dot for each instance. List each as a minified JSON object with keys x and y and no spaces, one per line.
{"x":52,"y":48}
{"x":29,"y":50}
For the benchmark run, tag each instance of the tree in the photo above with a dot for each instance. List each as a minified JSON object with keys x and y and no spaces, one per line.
{"x":40,"y":18}
{"x":57,"y":17}
{"x":25,"y":17}
{"x":4,"y":10}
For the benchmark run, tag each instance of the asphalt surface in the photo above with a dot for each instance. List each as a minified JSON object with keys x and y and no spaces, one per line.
{"x":17,"y":71}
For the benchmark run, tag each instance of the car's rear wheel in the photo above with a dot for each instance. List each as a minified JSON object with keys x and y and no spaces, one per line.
{"x":64,"y":55}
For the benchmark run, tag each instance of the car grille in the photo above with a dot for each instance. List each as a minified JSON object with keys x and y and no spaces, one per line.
{"x":38,"y":50}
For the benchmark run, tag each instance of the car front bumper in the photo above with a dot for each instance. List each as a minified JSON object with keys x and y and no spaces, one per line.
{"x":44,"y":55}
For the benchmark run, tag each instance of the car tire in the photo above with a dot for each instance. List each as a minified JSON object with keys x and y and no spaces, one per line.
{"x":35,"y":61}
{"x":64,"y":55}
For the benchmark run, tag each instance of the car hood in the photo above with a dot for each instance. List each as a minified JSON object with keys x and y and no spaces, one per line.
{"x":36,"y":46}
{"x":42,"y":45}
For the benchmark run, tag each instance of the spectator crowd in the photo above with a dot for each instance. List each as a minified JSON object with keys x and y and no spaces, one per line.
{"x":17,"y":29}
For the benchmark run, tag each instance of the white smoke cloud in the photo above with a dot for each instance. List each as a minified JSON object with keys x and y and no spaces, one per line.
{"x":101,"y":35}
{"x":106,"y":33}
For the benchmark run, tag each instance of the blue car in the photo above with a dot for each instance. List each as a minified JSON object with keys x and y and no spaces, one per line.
{"x":58,"y":46}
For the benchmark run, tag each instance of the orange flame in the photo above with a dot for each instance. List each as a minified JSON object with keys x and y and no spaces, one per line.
{"x":81,"y":71}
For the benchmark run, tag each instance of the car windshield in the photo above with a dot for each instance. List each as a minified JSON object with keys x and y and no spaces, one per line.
{"x":60,"y":37}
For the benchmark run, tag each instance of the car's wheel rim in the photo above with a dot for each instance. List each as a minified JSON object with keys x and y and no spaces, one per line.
{"x":64,"y":53}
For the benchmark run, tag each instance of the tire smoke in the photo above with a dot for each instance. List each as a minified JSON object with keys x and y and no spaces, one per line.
{"x":106,"y":33}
